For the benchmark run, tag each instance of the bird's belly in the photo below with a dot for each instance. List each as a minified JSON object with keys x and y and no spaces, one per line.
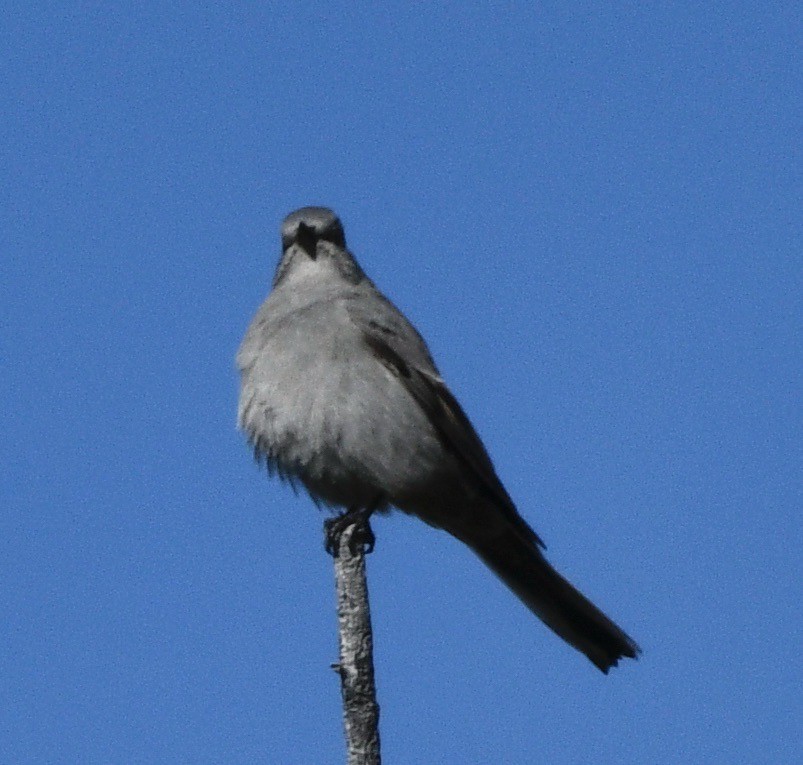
{"x":343,"y":425}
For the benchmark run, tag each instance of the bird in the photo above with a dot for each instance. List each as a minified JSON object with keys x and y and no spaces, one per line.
{"x":339,"y":394}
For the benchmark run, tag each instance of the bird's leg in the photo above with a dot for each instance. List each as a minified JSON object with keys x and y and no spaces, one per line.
{"x":363,"y":533}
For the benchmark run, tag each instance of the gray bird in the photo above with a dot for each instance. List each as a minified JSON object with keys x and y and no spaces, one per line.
{"x":339,"y":392}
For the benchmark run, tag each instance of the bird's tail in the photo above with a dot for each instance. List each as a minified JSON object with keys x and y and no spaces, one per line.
{"x":518,"y":562}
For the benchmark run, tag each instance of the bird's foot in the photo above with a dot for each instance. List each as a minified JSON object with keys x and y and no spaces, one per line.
{"x":362,"y":538}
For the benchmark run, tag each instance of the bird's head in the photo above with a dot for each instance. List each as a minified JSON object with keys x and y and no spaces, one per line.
{"x":314,"y":235}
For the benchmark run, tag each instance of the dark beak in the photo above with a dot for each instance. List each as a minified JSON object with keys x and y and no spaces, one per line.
{"x":306,"y":239}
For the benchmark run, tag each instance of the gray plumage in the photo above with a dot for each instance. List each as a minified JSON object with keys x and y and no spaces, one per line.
{"x":340,"y":393}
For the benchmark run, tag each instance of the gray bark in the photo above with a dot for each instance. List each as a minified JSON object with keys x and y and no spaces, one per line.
{"x":356,"y":667}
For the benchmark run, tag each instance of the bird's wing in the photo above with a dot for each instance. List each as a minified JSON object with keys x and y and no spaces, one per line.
{"x":388,"y":341}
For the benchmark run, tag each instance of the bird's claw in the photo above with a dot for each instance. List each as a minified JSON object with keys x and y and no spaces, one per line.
{"x":362,"y":538}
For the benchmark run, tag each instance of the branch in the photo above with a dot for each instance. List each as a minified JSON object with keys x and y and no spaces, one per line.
{"x":356,"y":667}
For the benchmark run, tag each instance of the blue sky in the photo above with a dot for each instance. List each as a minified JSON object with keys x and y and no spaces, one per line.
{"x":592,"y":213}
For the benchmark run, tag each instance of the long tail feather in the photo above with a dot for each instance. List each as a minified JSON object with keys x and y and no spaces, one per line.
{"x":568,"y":613}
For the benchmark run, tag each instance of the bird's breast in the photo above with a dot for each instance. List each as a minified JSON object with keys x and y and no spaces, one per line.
{"x":317,"y":402}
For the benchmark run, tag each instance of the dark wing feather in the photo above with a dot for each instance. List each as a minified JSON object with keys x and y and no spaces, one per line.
{"x":448,"y":419}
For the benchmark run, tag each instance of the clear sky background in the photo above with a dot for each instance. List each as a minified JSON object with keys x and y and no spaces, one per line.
{"x":593,"y":214}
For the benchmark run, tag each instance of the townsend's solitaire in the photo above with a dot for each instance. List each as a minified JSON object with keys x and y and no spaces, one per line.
{"x":339,"y":392}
